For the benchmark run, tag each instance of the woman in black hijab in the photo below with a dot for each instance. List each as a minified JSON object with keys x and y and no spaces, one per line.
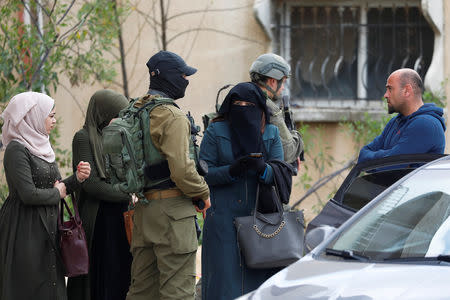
{"x":101,"y":207}
{"x":235,"y":147}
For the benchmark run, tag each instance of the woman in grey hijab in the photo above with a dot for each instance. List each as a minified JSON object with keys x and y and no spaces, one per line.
{"x":101,"y":207}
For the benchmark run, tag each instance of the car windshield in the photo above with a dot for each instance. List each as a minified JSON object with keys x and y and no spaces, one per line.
{"x":410,"y":221}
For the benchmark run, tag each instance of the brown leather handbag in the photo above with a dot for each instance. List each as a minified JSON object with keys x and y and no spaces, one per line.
{"x":128,"y":219}
{"x":73,"y":245}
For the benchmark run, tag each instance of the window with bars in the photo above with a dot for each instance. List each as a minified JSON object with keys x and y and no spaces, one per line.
{"x":346,"y":52}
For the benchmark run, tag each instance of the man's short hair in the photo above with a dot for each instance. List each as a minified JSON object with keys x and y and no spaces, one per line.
{"x":258,"y":78}
{"x":411,"y":77}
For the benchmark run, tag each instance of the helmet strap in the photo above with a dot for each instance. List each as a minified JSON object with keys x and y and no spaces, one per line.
{"x":274,"y":92}
{"x":279,"y":84}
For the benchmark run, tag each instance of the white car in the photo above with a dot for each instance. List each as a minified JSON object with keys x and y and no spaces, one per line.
{"x":396,"y":247}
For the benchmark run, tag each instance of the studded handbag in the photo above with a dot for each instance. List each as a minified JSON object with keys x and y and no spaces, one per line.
{"x":270,"y":240}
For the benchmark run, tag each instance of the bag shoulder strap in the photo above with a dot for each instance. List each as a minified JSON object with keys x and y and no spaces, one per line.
{"x":75,"y":215}
{"x":149,"y":102}
{"x":277,"y":203}
{"x":151,"y":155}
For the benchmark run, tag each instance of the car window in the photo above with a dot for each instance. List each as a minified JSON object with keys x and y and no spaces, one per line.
{"x":405,"y":222}
{"x":367,"y":186}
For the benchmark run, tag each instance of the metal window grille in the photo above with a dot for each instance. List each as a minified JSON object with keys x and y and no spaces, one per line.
{"x":346,"y":52}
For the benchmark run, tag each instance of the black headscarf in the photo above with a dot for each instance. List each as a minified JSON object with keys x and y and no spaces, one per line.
{"x":245,"y":121}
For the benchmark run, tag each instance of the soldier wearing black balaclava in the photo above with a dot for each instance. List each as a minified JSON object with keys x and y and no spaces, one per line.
{"x":164,"y":242}
{"x":167,"y":74}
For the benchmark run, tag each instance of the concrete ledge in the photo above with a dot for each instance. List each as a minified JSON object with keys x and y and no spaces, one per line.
{"x":335,"y":114}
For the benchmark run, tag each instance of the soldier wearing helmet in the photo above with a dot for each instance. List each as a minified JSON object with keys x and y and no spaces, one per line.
{"x":269,"y":71}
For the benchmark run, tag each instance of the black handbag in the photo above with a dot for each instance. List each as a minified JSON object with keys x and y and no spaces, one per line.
{"x":271,"y":240}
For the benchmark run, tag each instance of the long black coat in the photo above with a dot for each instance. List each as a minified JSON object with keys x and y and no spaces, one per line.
{"x":101,"y":207}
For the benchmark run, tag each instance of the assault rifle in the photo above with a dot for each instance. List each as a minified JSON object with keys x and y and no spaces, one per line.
{"x":202,"y":166}
{"x":289,"y":120}
{"x":287,"y":112}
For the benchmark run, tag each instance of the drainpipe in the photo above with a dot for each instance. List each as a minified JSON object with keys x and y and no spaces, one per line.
{"x":362,"y":54}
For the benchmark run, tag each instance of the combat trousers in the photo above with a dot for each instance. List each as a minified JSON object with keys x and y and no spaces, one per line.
{"x":164,"y":247}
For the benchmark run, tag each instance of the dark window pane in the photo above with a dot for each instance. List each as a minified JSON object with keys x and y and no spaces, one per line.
{"x":399,"y":38}
{"x":322,"y":45}
{"x":324,"y":49}
{"x":366,"y":187}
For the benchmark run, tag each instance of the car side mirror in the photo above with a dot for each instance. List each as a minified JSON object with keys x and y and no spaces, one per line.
{"x":317,"y":235}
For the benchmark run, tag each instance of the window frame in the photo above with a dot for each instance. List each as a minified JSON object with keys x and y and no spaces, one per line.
{"x":336,"y":110}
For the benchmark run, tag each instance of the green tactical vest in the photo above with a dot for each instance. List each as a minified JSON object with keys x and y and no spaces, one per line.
{"x":151,"y":155}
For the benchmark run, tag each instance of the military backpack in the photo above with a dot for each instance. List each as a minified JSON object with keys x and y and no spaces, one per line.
{"x":127,"y":145}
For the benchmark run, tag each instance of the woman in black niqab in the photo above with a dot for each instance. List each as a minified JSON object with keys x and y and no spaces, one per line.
{"x":233,"y":176}
{"x":246,"y":110}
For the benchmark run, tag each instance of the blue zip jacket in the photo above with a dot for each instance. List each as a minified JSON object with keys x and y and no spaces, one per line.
{"x":420,"y":132}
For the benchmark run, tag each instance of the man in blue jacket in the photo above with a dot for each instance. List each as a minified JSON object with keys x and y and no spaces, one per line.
{"x":418,"y":127}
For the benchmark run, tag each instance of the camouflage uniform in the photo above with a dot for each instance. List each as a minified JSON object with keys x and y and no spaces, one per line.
{"x":291,"y":139}
{"x":164,"y":241}
{"x":270,"y":65}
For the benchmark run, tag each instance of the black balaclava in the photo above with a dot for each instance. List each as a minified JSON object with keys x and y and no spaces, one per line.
{"x":245,"y":121}
{"x":166,"y":71}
